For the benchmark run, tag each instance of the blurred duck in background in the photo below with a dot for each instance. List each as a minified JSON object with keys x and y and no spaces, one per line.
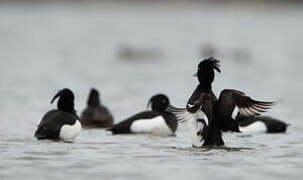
{"x":158,"y":121}
{"x":96,"y":115}
{"x":131,"y":53}
{"x":62,"y":123}
{"x":239,"y":54}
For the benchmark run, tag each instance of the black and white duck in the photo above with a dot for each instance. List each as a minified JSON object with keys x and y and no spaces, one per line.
{"x":252,"y":124}
{"x":157,"y":121}
{"x":206,"y":119}
{"x":61,"y":123}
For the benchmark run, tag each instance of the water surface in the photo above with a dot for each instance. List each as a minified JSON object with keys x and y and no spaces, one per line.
{"x":46,"y":48}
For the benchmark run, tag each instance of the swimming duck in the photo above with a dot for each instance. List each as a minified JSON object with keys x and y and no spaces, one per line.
{"x":61,"y":123}
{"x":157,"y":121}
{"x":95,"y":114}
{"x":261,"y":124}
{"x":206,"y":120}
{"x":253,"y":124}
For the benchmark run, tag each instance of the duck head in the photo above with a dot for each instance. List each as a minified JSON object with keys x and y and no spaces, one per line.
{"x":93,"y":99}
{"x":66,"y":100}
{"x":206,"y":70}
{"x":158,"y":102}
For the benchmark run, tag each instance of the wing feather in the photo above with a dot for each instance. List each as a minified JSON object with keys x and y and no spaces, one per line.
{"x":181,"y":114}
{"x":248,"y":106}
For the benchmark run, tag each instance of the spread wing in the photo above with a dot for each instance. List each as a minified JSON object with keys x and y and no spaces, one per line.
{"x":247,"y":106}
{"x":181,"y":113}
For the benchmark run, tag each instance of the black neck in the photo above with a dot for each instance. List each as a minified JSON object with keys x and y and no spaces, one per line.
{"x":206,"y":76}
{"x":93,"y":100}
{"x":66,"y":104}
{"x":160,"y":108}
{"x":205,"y":88}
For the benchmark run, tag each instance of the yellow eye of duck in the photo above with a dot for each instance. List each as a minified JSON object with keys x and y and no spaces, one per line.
{"x":164,"y":101}
{"x":198,"y":68}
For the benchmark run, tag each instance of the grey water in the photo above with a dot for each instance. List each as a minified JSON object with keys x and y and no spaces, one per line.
{"x":129,"y":53}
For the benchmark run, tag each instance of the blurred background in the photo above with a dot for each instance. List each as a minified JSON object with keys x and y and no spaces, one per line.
{"x":132,"y":49}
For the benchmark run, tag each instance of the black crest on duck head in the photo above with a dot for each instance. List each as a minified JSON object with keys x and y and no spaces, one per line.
{"x":206,"y":70}
{"x":159,"y":102}
{"x":93,"y":99}
{"x":66,"y":100}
